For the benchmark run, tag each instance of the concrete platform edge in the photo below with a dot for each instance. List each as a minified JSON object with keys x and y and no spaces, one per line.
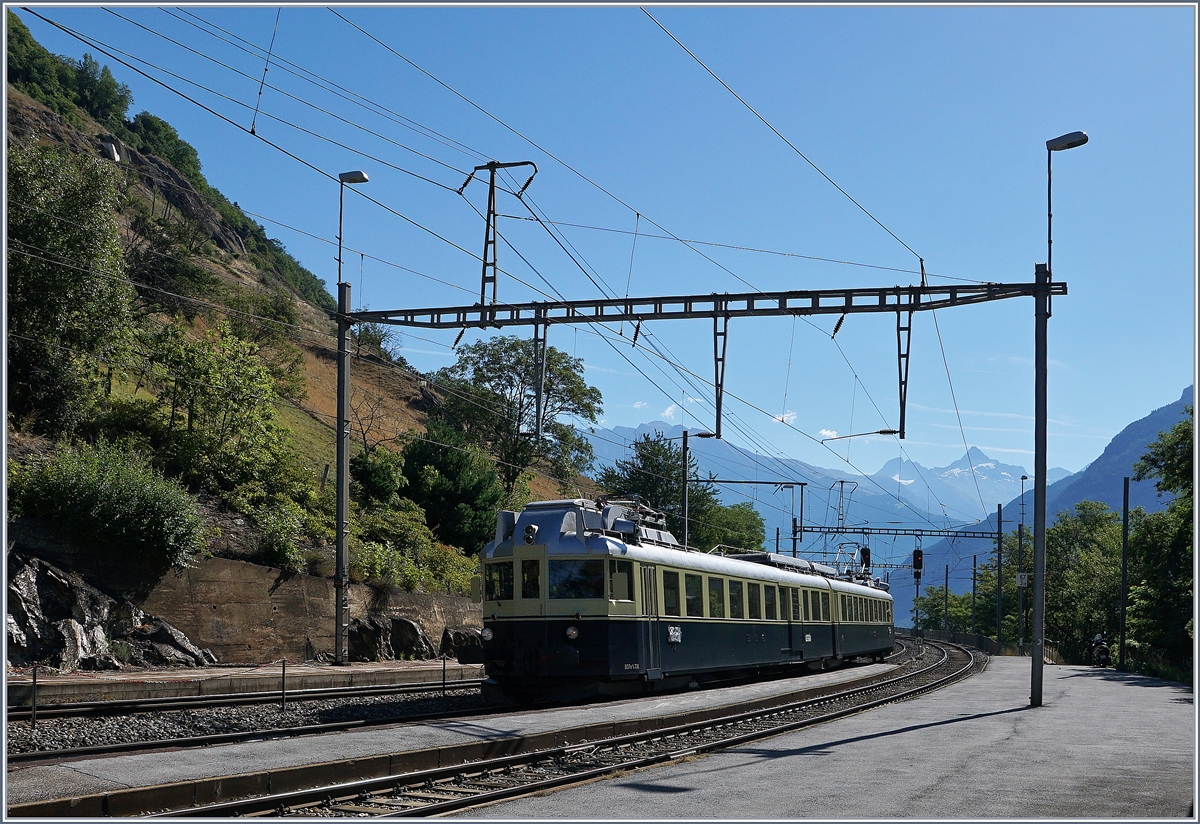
{"x":200,"y":792}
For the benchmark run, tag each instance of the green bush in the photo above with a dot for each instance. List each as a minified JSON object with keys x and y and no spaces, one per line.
{"x":280,"y":521}
{"x":113,"y":498}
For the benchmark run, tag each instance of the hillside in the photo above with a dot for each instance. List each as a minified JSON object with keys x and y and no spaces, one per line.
{"x":395,"y":399}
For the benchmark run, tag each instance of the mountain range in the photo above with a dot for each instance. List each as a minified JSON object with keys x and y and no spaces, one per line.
{"x":907,"y":494}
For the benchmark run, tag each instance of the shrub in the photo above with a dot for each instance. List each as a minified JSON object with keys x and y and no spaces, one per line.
{"x":113,"y":498}
{"x":279,"y":521}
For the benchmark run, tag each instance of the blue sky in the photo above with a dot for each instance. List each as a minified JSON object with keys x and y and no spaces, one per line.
{"x":934,"y":119}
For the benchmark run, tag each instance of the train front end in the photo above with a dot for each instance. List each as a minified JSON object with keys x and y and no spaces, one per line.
{"x":554,"y":590}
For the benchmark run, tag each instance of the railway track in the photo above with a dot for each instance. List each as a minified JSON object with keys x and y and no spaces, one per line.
{"x":443,"y":790}
{"x":258,"y":734}
{"x":80,"y":709}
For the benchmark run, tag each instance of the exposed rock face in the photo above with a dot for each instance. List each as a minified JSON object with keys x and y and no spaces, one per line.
{"x":455,"y":638}
{"x":383,"y":638}
{"x":57,"y":619}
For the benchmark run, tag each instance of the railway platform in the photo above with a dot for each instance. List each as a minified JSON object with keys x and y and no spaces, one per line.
{"x":141,"y":684}
{"x":77,"y":789}
{"x":1105,"y":744}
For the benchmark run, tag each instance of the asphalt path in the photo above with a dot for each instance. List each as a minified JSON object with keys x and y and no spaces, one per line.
{"x":1103,"y":745}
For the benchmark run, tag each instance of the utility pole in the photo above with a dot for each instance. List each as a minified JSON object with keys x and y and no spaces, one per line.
{"x":999,"y":576}
{"x":946,"y":601}
{"x":341,"y":536}
{"x":1124,"y":571}
{"x":1041,"y":315}
{"x":974,"y":558}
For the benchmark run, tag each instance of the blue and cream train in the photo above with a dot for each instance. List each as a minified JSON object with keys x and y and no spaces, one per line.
{"x":582,"y":599}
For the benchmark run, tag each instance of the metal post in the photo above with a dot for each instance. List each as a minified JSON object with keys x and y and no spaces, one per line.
{"x":776,"y":540}
{"x":1124,"y":572}
{"x":539,"y":367}
{"x":974,"y":558}
{"x":342,"y":531}
{"x":685,"y":488}
{"x":283,"y":686}
{"x":1020,"y":589}
{"x":33,"y":701}
{"x":1041,"y":315}
{"x":999,"y":571}
{"x":946,"y":601}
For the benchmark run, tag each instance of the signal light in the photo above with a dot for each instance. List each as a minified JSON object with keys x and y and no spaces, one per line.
{"x":918,"y":560}
{"x":866,"y":557}
{"x":530,"y":533}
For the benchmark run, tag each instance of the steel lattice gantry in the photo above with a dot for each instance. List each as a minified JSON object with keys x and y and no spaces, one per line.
{"x":721,"y":307}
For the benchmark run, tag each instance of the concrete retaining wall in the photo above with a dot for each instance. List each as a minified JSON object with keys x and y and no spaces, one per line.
{"x":247,"y":613}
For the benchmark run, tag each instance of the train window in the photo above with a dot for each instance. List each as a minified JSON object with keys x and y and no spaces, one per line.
{"x":858,"y":609}
{"x":845,"y":602}
{"x":826,"y":615}
{"x":498,"y":581}
{"x":735,"y":599}
{"x":693,"y":592}
{"x":620,"y":568}
{"x":576,"y":579}
{"x":769,"y":603}
{"x":796,"y":596}
{"x":531,"y":579}
{"x":807,"y":616}
{"x":569,"y":524}
{"x":716,"y":598}
{"x":753,"y":602}
{"x":671,"y":593}
{"x":875,"y":611}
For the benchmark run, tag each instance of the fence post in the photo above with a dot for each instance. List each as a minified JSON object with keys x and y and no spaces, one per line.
{"x":33,"y":701}
{"x":283,"y":687}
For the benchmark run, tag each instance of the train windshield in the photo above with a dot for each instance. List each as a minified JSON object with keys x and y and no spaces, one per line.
{"x":498,"y":580}
{"x":576,"y":579}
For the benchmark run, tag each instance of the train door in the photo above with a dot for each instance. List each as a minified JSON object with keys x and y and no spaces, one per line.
{"x":651,"y":644}
{"x":791,"y":605}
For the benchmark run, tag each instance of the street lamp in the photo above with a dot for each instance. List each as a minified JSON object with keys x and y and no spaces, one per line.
{"x":860,"y":434}
{"x":341,"y":547}
{"x":685,"y":479}
{"x":1041,"y":315}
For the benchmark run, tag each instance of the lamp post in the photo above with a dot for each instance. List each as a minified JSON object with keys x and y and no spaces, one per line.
{"x":685,"y":479}
{"x":341,"y":547}
{"x":1041,"y":315}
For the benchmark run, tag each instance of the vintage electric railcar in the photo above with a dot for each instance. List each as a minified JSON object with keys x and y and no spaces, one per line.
{"x":581,"y":599}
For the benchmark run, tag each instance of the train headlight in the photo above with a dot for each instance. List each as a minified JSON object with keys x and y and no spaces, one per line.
{"x":487,"y":634}
{"x":530,"y":533}
{"x":572,"y":633}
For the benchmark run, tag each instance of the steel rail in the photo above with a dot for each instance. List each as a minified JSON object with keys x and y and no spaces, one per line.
{"x":241,"y":737}
{"x":73,"y":709}
{"x":435,"y":796}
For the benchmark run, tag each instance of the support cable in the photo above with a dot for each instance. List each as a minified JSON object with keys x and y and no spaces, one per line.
{"x":779,"y":134}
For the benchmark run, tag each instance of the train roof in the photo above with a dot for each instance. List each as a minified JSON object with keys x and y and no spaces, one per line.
{"x":593,"y":534}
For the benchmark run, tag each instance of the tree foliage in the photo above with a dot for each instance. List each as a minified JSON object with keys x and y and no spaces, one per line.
{"x":1160,"y":628}
{"x":456,"y":485}
{"x":69,"y":305}
{"x":654,"y":475}
{"x":489,"y":398}
{"x":62,"y":84}
{"x":1083,"y":573}
{"x":113,"y":498}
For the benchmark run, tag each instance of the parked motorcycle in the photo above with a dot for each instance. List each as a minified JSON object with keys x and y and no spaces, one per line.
{"x":1101,"y":656}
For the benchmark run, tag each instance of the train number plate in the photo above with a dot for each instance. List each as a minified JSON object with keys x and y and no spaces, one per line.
{"x":674,"y":635}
